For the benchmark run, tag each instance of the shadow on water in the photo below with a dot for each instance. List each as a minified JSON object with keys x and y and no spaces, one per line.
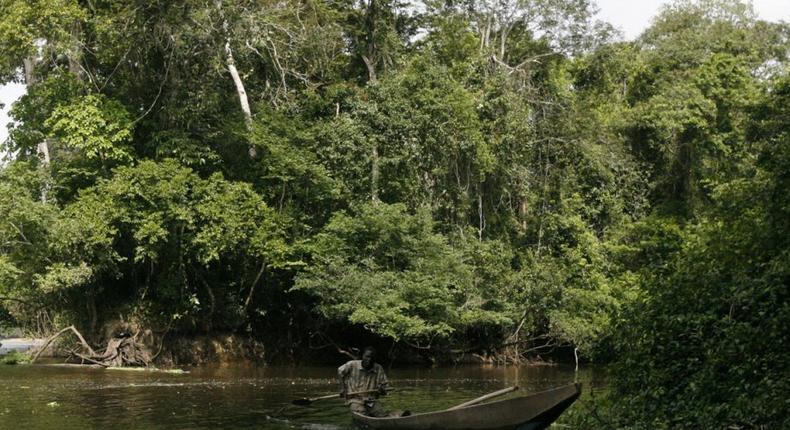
{"x":238,"y":397}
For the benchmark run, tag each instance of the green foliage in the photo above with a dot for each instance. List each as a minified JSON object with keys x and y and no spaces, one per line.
{"x":33,"y":109}
{"x":24,"y":229}
{"x":428,"y":137}
{"x":97,"y":126}
{"x":566,"y":290}
{"x":26,"y":23}
{"x":170,"y":222}
{"x":389,"y":271}
{"x":704,"y":348}
{"x":453,"y":44}
{"x":61,"y":277}
{"x":693,"y":95}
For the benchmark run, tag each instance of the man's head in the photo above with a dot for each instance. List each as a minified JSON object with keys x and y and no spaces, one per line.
{"x":368,"y":355}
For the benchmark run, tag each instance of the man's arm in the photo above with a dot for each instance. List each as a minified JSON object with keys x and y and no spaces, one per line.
{"x":381,"y":383}
{"x":342,"y":372}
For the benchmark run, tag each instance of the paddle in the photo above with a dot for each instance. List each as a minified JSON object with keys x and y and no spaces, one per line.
{"x":484,"y":398}
{"x":308,"y":401}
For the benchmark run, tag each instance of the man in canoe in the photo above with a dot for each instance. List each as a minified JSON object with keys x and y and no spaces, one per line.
{"x":366,"y":377}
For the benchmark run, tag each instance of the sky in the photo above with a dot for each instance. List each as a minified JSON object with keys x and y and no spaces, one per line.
{"x":629,"y":16}
{"x":633,"y":16}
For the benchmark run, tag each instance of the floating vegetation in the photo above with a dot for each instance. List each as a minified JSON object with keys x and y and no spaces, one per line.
{"x":15,"y":357}
{"x":149,"y":369}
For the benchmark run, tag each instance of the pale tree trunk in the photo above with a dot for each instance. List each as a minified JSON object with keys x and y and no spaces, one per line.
{"x":503,"y":42}
{"x":374,"y":174}
{"x":371,"y":69}
{"x":43,"y":152}
{"x":370,"y":65}
{"x":43,"y":147}
{"x":76,"y":55}
{"x":370,"y":58}
{"x":480,"y":213}
{"x":374,"y":156}
{"x":30,"y":77}
{"x":484,"y":35}
{"x":252,"y":287}
{"x":242,"y":93}
{"x":522,"y":212}
{"x":234,"y":73}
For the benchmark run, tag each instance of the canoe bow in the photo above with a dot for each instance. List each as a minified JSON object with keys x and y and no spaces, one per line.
{"x":533,"y":412}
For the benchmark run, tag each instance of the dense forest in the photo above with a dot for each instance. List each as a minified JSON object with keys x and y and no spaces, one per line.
{"x":503,"y":178}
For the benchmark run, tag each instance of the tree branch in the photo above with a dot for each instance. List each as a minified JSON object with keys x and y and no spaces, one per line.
{"x":252,"y":286}
{"x":335,"y":345}
{"x":53,"y":337}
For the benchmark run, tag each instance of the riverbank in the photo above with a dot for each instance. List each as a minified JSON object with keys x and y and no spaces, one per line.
{"x":193,"y":351}
{"x":229,"y":348}
{"x":224,"y":348}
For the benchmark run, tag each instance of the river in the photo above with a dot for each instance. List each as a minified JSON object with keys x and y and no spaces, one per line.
{"x":235,"y":397}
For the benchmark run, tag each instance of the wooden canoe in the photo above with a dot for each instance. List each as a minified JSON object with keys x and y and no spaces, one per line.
{"x":532,"y":412}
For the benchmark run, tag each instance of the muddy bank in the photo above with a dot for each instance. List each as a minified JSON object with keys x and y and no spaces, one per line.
{"x":168,"y":350}
{"x":176,"y":351}
{"x":187,"y":350}
{"x":211,"y":349}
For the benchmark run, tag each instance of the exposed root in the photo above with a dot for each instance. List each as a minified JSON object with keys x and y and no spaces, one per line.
{"x":123,"y":351}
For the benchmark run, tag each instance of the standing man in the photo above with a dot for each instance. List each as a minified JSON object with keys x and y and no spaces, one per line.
{"x":363,"y":375}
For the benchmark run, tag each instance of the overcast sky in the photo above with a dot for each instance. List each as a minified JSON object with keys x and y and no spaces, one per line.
{"x":633,"y":16}
{"x":630,"y":16}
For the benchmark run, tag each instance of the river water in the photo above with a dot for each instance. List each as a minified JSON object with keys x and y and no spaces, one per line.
{"x":236,"y":397}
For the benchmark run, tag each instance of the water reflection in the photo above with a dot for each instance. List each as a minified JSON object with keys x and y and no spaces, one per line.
{"x":239,"y":397}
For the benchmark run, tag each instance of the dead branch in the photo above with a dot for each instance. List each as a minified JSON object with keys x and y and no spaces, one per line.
{"x":162,"y":343}
{"x":120,"y":351}
{"x":52,"y":338}
{"x":330,"y":342}
{"x":252,"y":286}
{"x":520,"y":324}
{"x":520,"y":341}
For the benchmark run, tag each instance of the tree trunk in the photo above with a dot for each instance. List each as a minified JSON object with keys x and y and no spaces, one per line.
{"x":372,"y":78}
{"x":480,"y":213}
{"x":30,"y":80}
{"x":93,"y":314}
{"x":523,"y":207}
{"x":76,"y":54}
{"x":240,"y":91}
{"x":503,"y":41}
{"x":252,"y":287}
{"x":43,"y":153}
{"x":234,"y":73}
{"x":371,"y":13}
{"x":374,"y":174}
{"x":42,"y":148}
{"x":30,"y":77}
{"x":484,"y":36}
{"x":371,"y":69}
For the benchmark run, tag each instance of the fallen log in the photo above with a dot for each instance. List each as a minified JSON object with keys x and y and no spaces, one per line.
{"x":98,"y":363}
